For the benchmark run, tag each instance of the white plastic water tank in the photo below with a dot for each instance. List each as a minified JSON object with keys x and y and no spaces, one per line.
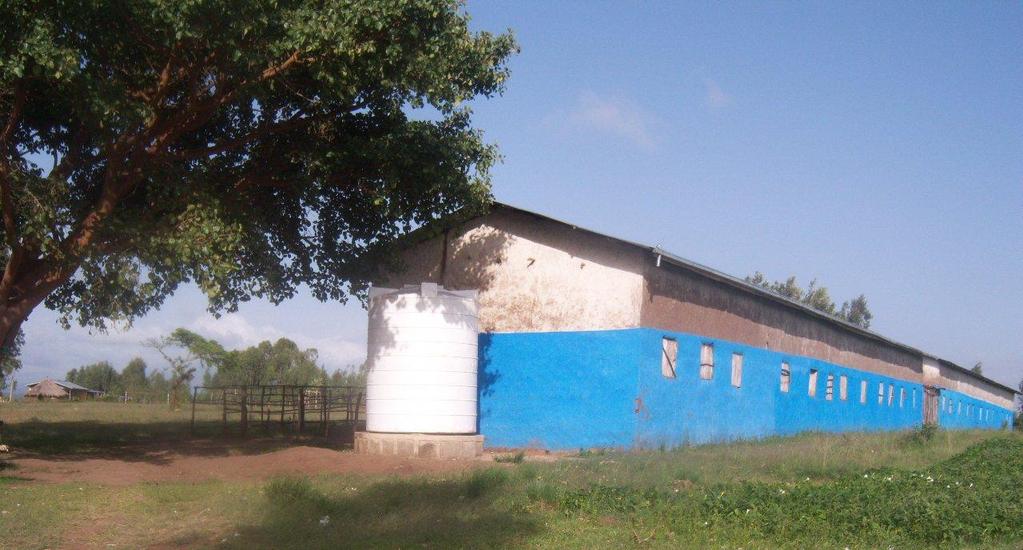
{"x":422,"y":360}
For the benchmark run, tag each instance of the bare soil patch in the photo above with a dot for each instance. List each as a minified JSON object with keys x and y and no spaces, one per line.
{"x":194,"y":461}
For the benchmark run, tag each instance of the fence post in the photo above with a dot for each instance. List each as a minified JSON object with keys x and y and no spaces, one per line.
{"x":323,"y":410}
{"x":223,"y":412}
{"x":245,"y":410}
{"x":191,"y":426}
{"x":264,"y":414}
{"x":282,"y":407}
{"x":301,"y":409}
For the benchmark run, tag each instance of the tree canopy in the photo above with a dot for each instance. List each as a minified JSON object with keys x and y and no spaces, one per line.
{"x":816,"y":296}
{"x":249,"y":146}
{"x":98,"y":376}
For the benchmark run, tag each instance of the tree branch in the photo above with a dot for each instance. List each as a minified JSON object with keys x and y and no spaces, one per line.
{"x":296,"y":121}
{"x":20,"y":96}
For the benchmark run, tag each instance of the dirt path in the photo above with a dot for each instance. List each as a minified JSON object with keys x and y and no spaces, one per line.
{"x":197,"y":461}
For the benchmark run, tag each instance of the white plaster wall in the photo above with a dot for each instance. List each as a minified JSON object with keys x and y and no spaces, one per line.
{"x":534,"y":274}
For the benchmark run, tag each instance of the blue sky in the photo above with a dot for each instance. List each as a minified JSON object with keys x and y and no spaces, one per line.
{"x":877,"y":147}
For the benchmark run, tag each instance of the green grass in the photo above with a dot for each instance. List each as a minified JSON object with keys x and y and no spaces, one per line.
{"x":84,"y":428}
{"x":903,"y":490}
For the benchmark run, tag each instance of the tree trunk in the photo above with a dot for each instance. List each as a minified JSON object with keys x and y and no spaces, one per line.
{"x":21,"y":293}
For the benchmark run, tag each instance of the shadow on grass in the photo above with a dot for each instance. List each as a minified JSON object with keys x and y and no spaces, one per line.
{"x":153,"y":442}
{"x":460,"y":513}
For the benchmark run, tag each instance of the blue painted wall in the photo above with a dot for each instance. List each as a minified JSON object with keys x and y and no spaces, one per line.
{"x":566,"y":390}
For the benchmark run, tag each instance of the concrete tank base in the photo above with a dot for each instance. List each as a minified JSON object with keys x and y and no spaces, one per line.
{"x":419,"y":445}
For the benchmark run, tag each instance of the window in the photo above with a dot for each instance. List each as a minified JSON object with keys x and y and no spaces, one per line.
{"x":902,"y":397}
{"x":914,"y":398}
{"x":786,"y":377}
{"x":737,"y":370}
{"x":669,"y":357}
{"x":812,"y":390}
{"x":829,"y":389}
{"x":843,"y":387}
{"x":880,"y":393}
{"x":891,"y":394}
{"x":707,"y":361}
{"x":863,"y":391}
{"x":960,"y":411}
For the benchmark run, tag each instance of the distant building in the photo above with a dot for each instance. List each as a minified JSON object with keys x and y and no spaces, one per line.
{"x":589,"y":340}
{"x":59,"y":389}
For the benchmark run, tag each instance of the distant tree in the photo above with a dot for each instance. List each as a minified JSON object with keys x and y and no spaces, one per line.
{"x":182,"y":367}
{"x":159,"y":387}
{"x":250,"y":147}
{"x":817,"y":297}
{"x":978,"y":368}
{"x":352,"y":376}
{"x":857,"y":312}
{"x":133,"y":378}
{"x":97,"y":376}
{"x":280,"y":362}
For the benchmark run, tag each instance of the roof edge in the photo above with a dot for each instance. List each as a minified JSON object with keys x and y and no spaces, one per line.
{"x":740,"y":284}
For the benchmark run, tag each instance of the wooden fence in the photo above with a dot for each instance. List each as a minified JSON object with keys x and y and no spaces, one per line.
{"x":291,"y":408}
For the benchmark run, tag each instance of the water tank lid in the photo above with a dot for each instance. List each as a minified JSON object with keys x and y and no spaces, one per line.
{"x":425,"y":289}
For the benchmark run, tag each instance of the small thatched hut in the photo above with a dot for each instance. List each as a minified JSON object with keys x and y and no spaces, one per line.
{"x":48,"y":388}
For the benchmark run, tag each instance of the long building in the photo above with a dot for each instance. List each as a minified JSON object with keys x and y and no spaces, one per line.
{"x":592,"y":341}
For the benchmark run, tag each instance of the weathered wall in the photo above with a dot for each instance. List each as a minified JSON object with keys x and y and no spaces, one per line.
{"x":940,"y":374}
{"x":533,"y":274}
{"x":678,"y":300}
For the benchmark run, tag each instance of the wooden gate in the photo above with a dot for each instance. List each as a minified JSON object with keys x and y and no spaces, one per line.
{"x":931,"y":394}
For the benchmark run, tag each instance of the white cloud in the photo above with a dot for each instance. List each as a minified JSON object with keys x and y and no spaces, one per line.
{"x":716,"y":98}
{"x":615,"y":116}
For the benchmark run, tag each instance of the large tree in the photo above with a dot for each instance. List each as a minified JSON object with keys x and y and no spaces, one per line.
{"x":249,"y":146}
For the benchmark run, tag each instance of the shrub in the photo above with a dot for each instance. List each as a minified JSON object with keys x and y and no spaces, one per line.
{"x":921,"y":435}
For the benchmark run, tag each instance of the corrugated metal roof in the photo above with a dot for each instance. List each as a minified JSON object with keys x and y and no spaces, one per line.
{"x":64,"y":384}
{"x":741,"y":284}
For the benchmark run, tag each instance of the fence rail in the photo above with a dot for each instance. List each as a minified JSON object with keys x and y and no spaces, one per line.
{"x":289,"y":407}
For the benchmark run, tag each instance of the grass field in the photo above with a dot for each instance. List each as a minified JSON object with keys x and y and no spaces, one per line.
{"x":903,"y":490}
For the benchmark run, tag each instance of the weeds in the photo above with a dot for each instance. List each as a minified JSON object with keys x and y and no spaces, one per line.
{"x":516,"y":458}
{"x":920,"y":436}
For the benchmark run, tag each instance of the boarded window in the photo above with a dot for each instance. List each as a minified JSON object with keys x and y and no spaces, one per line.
{"x":812,"y":389}
{"x":843,"y":387}
{"x":786,"y":377}
{"x":829,"y":388}
{"x":669,"y":357}
{"x":707,"y":361}
{"x":914,"y":398}
{"x":737,"y":370}
{"x":891,"y":394}
{"x":880,"y":393}
{"x":960,"y":411}
{"x":863,"y":391}
{"x":902,"y":397}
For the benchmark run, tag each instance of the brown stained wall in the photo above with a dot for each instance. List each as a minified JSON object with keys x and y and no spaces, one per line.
{"x":940,"y":374}
{"x":678,"y":300}
{"x":533,"y":274}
